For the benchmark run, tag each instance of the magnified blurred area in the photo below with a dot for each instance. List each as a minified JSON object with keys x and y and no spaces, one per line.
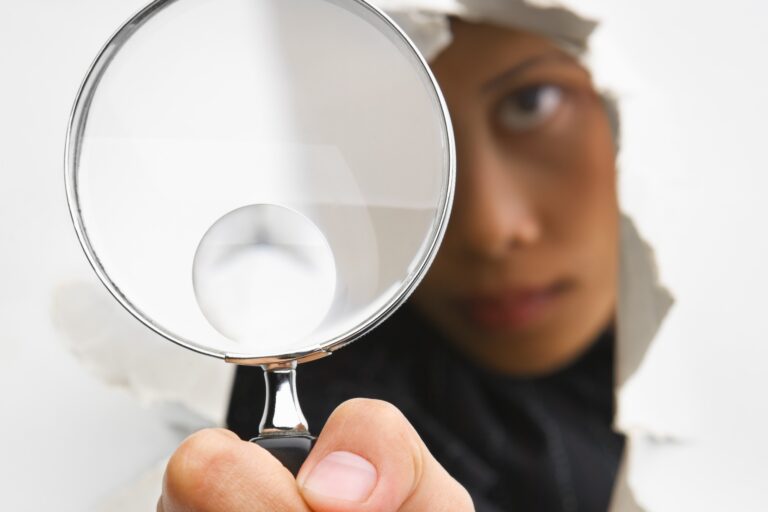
{"x":264,"y":272}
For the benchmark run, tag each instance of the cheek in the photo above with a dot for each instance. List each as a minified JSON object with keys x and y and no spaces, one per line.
{"x":439,"y":279}
{"x":586,"y":219}
{"x":443,"y":280}
{"x":586,"y":200}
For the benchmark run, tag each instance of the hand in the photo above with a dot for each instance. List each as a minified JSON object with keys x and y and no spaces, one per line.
{"x":368,"y":458}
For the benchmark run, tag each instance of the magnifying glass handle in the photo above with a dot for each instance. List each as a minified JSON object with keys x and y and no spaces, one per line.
{"x":283,"y":430}
{"x":292,"y":451}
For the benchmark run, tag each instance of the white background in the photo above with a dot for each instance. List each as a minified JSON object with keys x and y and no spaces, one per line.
{"x":698,"y":100}
{"x":66,"y":440}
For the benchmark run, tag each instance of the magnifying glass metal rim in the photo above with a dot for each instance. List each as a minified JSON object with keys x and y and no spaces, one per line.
{"x":71,"y":159}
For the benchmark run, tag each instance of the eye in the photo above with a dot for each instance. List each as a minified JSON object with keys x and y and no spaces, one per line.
{"x":529,"y":107}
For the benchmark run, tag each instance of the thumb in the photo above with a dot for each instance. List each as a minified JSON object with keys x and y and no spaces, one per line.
{"x":370,"y":459}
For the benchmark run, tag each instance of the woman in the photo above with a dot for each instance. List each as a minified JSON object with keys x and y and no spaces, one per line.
{"x":503,"y":360}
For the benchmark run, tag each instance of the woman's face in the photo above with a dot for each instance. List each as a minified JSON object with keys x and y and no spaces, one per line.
{"x":526,"y":276}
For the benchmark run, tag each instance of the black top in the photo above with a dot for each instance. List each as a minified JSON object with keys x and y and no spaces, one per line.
{"x":540,"y":444}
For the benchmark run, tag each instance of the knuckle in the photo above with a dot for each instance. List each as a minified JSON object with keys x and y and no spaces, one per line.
{"x":457,"y":499}
{"x":195,"y":470}
{"x":463,"y":500}
{"x":367,"y":408}
{"x":386,"y":420}
{"x":393,"y":432}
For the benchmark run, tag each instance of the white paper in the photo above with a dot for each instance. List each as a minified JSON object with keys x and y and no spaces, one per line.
{"x":691,"y":85}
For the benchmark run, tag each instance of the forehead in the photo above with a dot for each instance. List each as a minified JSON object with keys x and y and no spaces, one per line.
{"x":479,"y":51}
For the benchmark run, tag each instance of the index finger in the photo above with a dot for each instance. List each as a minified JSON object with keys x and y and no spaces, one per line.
{"x":214,"y":471}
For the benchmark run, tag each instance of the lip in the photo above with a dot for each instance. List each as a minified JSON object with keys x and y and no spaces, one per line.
{"x":513,"y":308}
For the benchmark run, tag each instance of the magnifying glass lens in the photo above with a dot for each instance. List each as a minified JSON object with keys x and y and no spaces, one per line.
{"x":260,"y":179}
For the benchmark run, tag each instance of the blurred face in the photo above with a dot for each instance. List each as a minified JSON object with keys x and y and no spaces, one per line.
{"x":526,"y":276}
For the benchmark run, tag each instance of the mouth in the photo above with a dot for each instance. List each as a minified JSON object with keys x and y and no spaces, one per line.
{"x":513,"y":308}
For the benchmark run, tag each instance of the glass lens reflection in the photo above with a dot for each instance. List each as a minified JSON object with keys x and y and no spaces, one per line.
{"x":264,"y":272}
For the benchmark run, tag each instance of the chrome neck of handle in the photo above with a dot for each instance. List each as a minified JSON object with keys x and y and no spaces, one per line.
{"x":282,"y":413}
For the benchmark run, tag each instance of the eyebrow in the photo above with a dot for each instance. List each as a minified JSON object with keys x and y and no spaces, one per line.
{"x":523,"y":66}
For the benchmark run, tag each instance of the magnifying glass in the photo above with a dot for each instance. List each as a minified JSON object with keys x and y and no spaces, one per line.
{"x":260,"y":181}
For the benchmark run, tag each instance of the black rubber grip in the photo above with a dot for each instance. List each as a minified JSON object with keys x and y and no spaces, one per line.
{"x":292,"y":451}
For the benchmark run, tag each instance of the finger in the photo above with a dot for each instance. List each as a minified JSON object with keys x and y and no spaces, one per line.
{"x":214,"y":471}
{"x":370,"y":459}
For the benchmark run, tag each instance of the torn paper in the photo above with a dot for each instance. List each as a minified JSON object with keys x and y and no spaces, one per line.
{"x":690,"y":332}
{"x":193,"y":389}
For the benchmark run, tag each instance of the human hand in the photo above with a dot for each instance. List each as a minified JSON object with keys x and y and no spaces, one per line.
{"x":368,"y":458}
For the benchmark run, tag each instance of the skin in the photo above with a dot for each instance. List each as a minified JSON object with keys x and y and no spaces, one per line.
{"x":535,"y":205}
{"x":213,"y":471}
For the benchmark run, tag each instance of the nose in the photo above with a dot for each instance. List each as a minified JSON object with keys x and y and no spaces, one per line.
{"x":494,"y":209}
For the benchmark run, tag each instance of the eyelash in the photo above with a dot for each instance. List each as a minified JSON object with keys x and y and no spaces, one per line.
{"x":529,"y":107}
